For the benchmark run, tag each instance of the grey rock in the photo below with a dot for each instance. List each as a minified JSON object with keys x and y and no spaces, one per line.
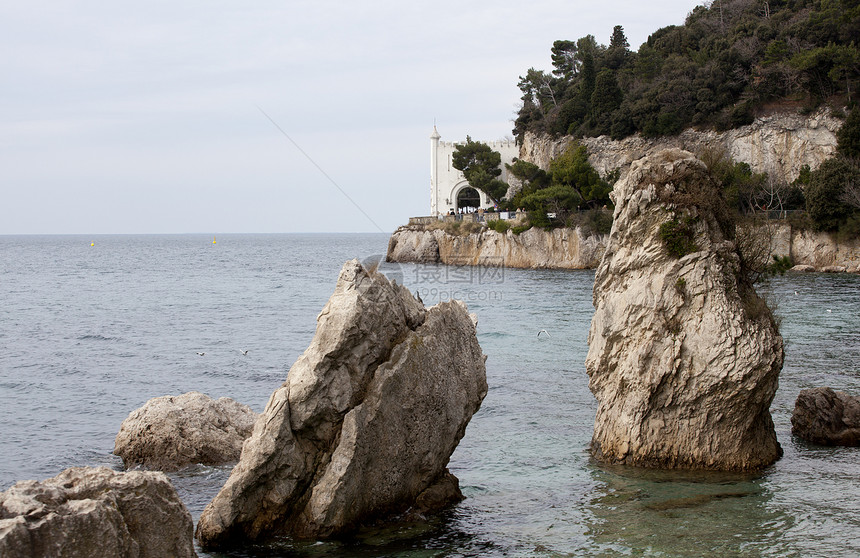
{"x":683,"y":355}
{"x":562,"y":248}
{"x":801,"y":268}
{"x":827,"y":417}
{"x":88,"y":512}
{"x":365,"y":424}
{"x":171,"y":432}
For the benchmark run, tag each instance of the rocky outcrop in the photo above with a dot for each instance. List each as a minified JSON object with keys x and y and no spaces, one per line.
{"x":85,"y":512}
{"x":170,"y":432}
{"x":532,"y":249}
{"x":823,"y":250}
{"x":683,"y":355}
{"x":827,"y":417}
{"x":576,"y":249}
{"x":365,"y":424}
{"x":779,"y":144}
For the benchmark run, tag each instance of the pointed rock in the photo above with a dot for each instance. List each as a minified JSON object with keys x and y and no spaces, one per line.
{"x":683,"y":355}
{"x":365,"y":424}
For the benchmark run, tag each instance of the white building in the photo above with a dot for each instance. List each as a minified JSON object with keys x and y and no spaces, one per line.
{"x":449,"y":190}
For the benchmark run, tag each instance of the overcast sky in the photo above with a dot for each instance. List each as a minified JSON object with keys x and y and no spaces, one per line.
{"x":154,"y":116}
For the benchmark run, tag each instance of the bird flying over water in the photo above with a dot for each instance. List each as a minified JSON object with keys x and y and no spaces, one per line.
{"x":544,"y":331}
{"x":244,"y":353}
{"x":200,"y":354}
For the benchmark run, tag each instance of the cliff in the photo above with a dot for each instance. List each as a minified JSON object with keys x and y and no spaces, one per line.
{"x":779,"y":144}
{"x":577,"y":249}
{"x":534,"y":248}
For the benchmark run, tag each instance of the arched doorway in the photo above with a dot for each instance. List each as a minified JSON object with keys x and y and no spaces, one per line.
{"x":468,"y":197}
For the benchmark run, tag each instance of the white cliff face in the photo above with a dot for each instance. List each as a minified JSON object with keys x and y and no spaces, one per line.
{"x":365,"y":424}
{"x":574,"y":249}
{"x":778,"y":144}
{"x":683,"y":356}
{"x":561,"y":248}
{"x":87,"y":511}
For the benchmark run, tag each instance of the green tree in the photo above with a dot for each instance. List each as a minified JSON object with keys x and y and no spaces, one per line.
{"x":529,"y":174}
{"x":572,"y":169}
{"x":605,"y":98}
{"x":619,"y":49}
{"x":826,"y":191}
{"x":481,"y":166}
{"x":849,"y":136}
{"x":560,"y":199}
{"x":564,"y":59}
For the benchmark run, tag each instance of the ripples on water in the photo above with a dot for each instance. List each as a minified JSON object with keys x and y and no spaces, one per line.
{"x":87,"y":334}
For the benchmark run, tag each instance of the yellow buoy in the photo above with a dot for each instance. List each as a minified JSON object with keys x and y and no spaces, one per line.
{"x":92,"y":243}
{"x":213,"y":240}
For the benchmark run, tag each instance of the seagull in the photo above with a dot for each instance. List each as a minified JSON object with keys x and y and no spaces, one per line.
{"x":244,"y":353}
{"x":795,"y":293}
{"x":201,"y":354}
{"x":829,"y":310}
{"x":544,"y":331}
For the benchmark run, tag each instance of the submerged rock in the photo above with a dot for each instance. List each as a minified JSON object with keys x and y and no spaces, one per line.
{"x":365,"y":424}
{"x":683,"y":355}
{"x":85,"y":512}
{"x":170,"y":432}
{"x":827,"y":417}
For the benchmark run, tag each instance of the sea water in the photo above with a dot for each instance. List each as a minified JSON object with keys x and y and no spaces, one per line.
{"x":93,"y":327}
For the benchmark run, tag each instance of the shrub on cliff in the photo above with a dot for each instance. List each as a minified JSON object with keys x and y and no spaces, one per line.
{"x":499,"y":225}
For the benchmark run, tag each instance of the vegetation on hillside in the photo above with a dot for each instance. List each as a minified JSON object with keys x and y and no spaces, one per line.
{"x":550,"y":197}
{"x":730,"y":60}
{"x":833,"y":189}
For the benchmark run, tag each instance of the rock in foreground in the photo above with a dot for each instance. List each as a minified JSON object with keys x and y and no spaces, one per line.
{"x":827,"y":417}
{"x":170,"y":432}
{"x":85,"y":512}
{"x":683,"y":355}
{"x":365,"y":424}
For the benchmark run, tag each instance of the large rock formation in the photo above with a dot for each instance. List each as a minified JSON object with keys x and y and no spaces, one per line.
{"x":779,"y":144}
{"x":683,"y":355}
{"x":170,"y":432}
{"x":535,"y":248}
{"x":365,"y":424}
{"x":85,"y":512}
{"x":827,"y":417}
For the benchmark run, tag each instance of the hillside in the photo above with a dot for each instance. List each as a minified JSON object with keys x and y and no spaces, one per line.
{"x":731,"y":61}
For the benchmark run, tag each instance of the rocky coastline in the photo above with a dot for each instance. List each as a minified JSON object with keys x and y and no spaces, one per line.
{"x":576,"y":248}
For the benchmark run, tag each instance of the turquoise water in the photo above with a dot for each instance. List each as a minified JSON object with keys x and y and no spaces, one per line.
{"x":89,"y":333}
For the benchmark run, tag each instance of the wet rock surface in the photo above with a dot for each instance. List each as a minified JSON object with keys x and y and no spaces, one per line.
{"x":827,"y":417}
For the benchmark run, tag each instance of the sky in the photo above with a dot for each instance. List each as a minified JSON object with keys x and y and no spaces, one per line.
{"x":262,"y":117}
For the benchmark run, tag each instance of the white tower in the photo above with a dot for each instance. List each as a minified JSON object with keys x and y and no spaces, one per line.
{"x":434,"y":171}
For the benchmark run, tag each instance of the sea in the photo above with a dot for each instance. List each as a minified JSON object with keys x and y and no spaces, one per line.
{"x":91,"y":327}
